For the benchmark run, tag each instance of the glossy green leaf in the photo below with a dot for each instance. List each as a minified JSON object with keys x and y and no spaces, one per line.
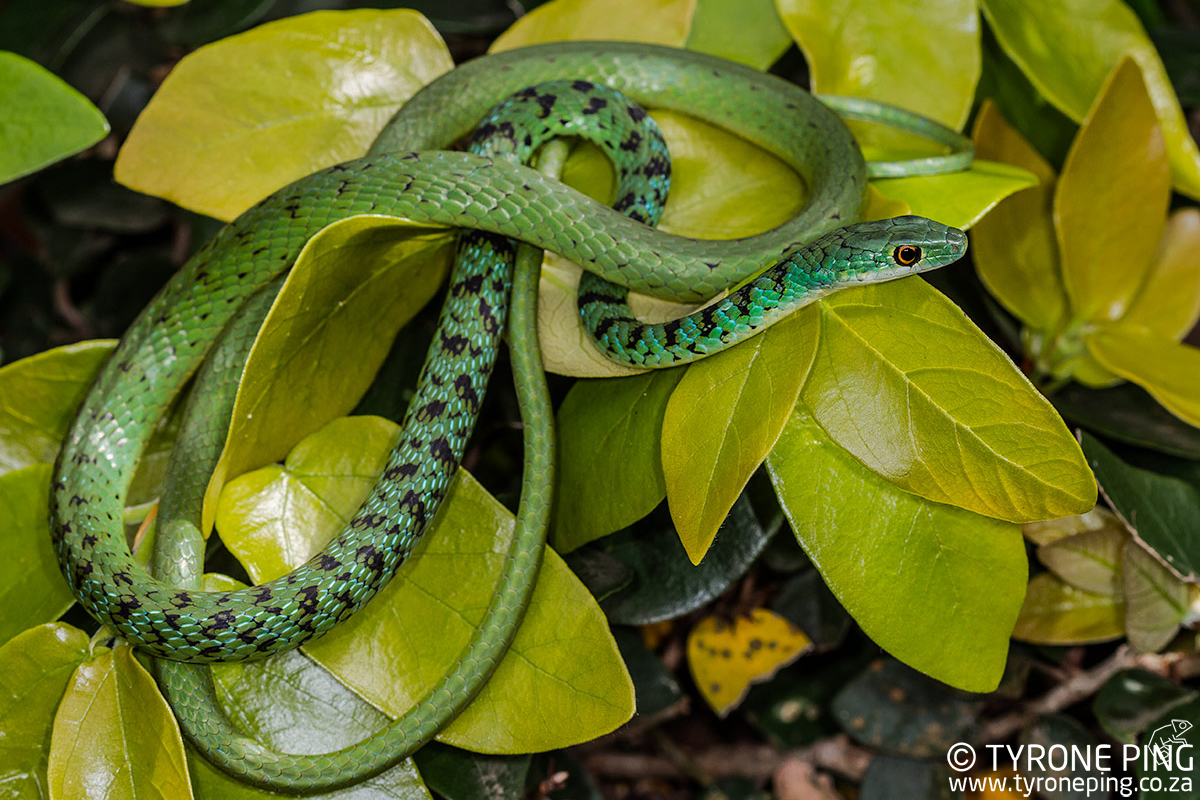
{"x":807,"y":602}
{"x":114,"y":735}
{"x":722,"y":420}
{"x":561,"y":683}
{"x":660,"y":22}
{"x":958,"y":199}
{"x":610,"y":472}
{"x":1130,"y":700}
{"x":239,"y":118}
{"x":1057,"y":613}
{"x":1161,"y":508}
{"x":950,"y":606}
{"x":39,"y":397}
{"x":656,"y":686}
{"x":1126,"y":413}
{"x":748,"y":31}
{"x":1052,"y":530}
{"x":44,"y":121}
{"x":1177,"y":777}
{"x":1168,"y":370}
{"x":32,"y":589}
{"x":1089,"y":560}
{"x":898,"y":711}
{"x":1169,"y":300}
{"x":665,"y":583}
{"x":1067,"y":48}
{"x":722,"y":187}
{"x":35,"y":667}
{"x":1014,"y":248}
{"x":923,"y":56}
{"x":1155,"y":601}
{"x":292,"y":705}
{"x":907,"y":384}
{"x":455,"y":774}
{"x":1065,"y":732}
{"x":354,"y":286}
{"x":1111,"y":200}
{"x":891,"y":778}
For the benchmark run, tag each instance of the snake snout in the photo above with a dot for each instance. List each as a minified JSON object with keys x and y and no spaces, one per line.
{"x":957,"y":241}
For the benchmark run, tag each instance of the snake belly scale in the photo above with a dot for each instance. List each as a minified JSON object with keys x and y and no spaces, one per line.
{"x":409,"y":175}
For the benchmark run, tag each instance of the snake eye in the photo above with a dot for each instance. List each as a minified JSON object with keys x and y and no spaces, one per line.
{"x":907,"y":254}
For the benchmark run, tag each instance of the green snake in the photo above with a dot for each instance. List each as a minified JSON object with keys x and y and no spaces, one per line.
{"x":226,"y":287}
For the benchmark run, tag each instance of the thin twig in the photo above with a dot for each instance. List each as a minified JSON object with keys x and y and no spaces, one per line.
{"x":1077,"y":687}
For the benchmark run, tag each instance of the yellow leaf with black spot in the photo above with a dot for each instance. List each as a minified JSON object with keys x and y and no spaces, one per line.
{"x":725,"y":658}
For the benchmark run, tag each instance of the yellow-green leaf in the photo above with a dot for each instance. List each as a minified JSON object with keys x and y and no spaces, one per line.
{"x":1111,"y":200}
{"x":749,"y":31}
{"x":1155,"y":601}
{"x":1089,"y":560}
{"x":239,"y":118}
{"x":114,"y":734}
{"x":354,"y":285}
{"x":655,"y":21}
{"x":1168,"y":370}
{"x":1013,"y":246}
{"x":1057,"y":613}
{"x":1169,"y":300}
{"x":921,"y":55}
{"x":32,"y":588}
{"x":610,"y":457}
{"x":722,"y":187}
{"x":722,"y":420}
{"x":958,"y":199}
{"x":34,"y":670}
{"x":39,"y":397}
{"x":907,"y":384}
{"x":936,"y":586}
{"x":562,"y":682}
{"x":1043,"y":533}
{"x":566,"y":347}
{"x":1067,"y":48}
{"x":44,"y":120}
{"x":725,"y":658}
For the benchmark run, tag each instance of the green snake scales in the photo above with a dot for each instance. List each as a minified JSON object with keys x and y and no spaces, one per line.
{"x":511,"y":213}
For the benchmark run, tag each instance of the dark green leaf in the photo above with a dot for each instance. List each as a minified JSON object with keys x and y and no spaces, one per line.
{"x":459,"y":775}
{"x":892,"y":778}
{"x":1046,"y":128}
{"x":601,"y":573}
{"x":666,"y":585}
{"x":1176,"y":776}
{"x":82,"y":194}
{"x":656,"y":688}
{"x":1059,"y":730}
{"x":902,"y":712}
{"x":808,"y":603}
{"x":1129,"y":414}
{"x":1130,"y":700}
{"x":1163,"y":509}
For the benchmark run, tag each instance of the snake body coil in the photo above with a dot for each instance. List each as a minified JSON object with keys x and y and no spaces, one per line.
{"x":409,"y":174}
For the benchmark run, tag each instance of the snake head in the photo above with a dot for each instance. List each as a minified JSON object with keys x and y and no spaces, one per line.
{"x":886,"y":249}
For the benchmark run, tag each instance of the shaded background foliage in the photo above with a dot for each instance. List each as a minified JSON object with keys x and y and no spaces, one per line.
{"x":80,"y":256}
